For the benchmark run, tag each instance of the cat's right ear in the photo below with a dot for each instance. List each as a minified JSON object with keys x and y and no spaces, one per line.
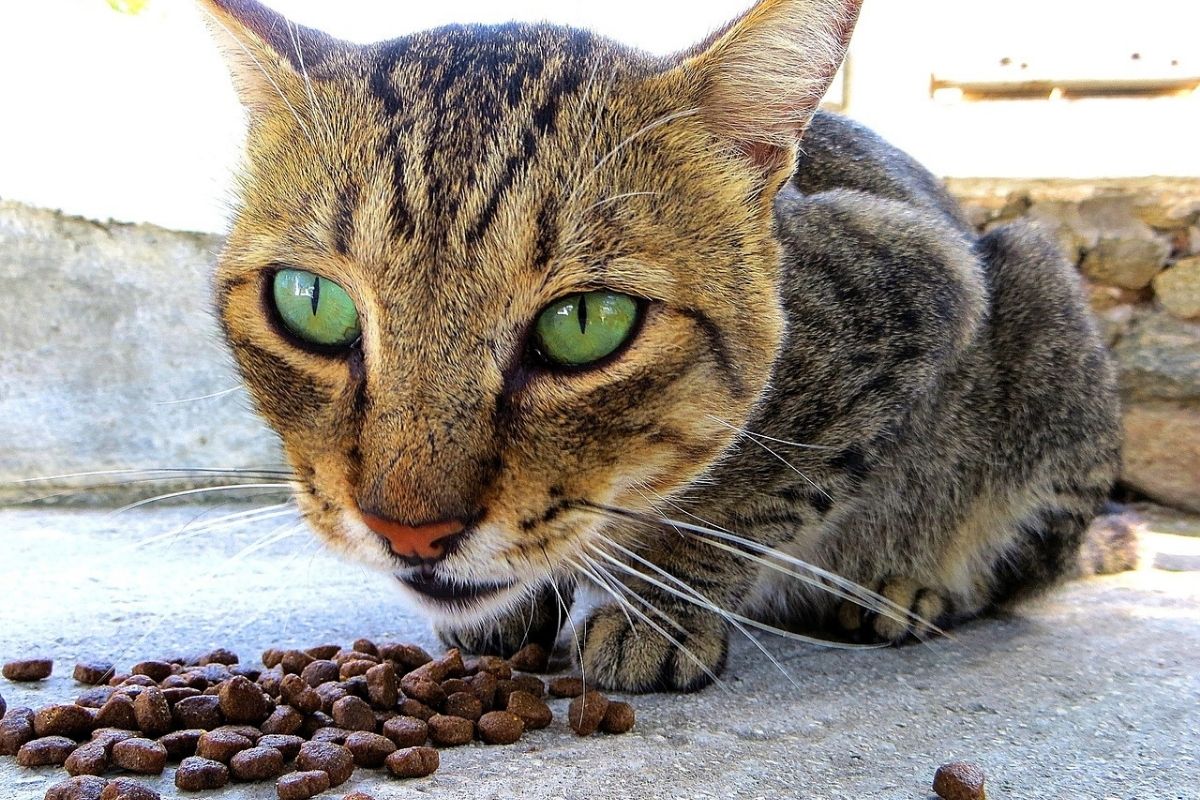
{"x":268,"y":55}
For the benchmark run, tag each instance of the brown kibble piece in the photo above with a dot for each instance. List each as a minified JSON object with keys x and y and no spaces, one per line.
{"x":50,"y":750}
{"x":296,"y":692}
{"x":369,"y":749}
{"x":422,"y":688}
{"x":365,"y":646}
{"x":330,"y":692}
{"x":219,"y":656}
{"x":271,"y":658}
{"x":406,"y":731}
{"x":483,"y":686}
{"x":318,"y":672}
{"x":117,"y":713}
{"x":95,"y":697}
{"x":353,"y":714}
{"x":530,"y":658}
{"x":500,"y":727}
{"x":249,"y":731}
{"x":618,"y":718}
{"x":243,"y":702}
{"x":88,"y":759}
{"x":503,"y":689}
{"x":533,"y":711}
{"x":450,"y":731}
{"x":530,"y":683}
{"x":222,"y":745}
{"x":294,"y":661}
{"x":289,"y":746}
{"x":107,"y":737}
{"x":284,"y":719}
{"x":153,"y":712}
{"x":333,"y":759}
{"x":566,"y":686}
{"x":355,"y":667}
{"x":72,"y":721}
{"x":455,"y":685}
{"x":140,"y":755}
{"x":154,"y":670}
{"x":383,"y":686}
{"x":463,"y":704}
{"x":176,"y":693}
{"x":196,"y":774}
{"x":959,"y":780}
{"x":586,"y":711}
{"x":415,"y":708}
{"x":413,"y":762}
{"x":332,"y":734}
{"x":15,"y":730}
{"x":203,"y":711}
{"x":257,"y":764}
{"x":407,"y":657}
{"x":128,"y":789}
{"x":29,"y":669}
{"x":324,"y":652}
{"x":83,"y":787}
{"x":181,"y":744}
{"x":493,"y":665}
{"x":93,"y":673}
{"x":302,"y":785}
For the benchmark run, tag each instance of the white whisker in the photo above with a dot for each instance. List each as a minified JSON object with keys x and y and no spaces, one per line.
{"x":783,"y":460}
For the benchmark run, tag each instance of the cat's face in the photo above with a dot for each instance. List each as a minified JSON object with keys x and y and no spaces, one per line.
{"x":456,"y":185}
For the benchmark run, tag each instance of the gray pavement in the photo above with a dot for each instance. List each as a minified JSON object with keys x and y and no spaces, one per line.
{"x":1093,"y":692}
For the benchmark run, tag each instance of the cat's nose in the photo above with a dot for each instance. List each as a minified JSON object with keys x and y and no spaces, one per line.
{"x":428,"y":541}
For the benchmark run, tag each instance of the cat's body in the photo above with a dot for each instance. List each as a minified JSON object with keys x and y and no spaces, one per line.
{"x":828,"y":371}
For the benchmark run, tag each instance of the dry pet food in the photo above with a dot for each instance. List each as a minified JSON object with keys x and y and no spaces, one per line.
{"x":31,"y":669}
{"x":959,"y":780}
{"x":306,"y":720}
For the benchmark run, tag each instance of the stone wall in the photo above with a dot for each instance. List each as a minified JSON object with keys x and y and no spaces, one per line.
{"x":1137,"y":244}
{"x":110,"y":358}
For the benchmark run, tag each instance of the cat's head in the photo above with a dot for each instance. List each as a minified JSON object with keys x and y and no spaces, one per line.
{"x":483,"y":279}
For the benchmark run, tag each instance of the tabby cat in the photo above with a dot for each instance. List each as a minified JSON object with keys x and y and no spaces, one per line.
{"x":535,"y":312}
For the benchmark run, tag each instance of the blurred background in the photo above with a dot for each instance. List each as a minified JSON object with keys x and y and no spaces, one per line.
{"x":1078,"y":115}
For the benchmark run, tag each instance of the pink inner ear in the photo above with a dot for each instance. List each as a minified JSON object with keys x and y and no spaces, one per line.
{"x":765,"y":156}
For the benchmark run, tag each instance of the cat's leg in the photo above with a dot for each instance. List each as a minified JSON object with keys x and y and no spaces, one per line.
{"x":534,"y":621}
{"x":651,"y":639}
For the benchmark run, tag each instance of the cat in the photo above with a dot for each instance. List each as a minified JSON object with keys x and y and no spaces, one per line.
{"x":532,"y":312}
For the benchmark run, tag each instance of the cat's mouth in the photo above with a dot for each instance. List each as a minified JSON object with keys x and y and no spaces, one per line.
{"x":456,"y":593}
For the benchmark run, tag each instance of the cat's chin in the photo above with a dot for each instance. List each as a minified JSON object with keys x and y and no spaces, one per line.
{"x":455,"y":600}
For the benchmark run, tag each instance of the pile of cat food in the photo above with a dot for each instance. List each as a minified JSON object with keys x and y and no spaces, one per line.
{"x":306,"y":719}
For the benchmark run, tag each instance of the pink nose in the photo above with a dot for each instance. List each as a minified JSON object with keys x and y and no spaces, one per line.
{"x":426,"y":542}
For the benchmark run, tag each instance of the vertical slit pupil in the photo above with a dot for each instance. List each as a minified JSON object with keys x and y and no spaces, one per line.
{"x":582,"y":312}
{"x":316,"y":294}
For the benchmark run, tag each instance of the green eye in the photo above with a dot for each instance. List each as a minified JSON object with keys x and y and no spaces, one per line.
{"x":584,"y":328}
{"x":315,"y":309}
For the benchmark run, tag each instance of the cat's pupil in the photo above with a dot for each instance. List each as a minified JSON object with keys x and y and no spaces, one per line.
{"x":581,"y":306}
{"x":316,"y":295}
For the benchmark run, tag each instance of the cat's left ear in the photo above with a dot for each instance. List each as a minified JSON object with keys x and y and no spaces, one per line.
{"x":268,"y":54}
{"x":763,"y":75}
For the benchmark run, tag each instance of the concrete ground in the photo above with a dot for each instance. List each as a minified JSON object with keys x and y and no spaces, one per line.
{"x":1092,"y":693}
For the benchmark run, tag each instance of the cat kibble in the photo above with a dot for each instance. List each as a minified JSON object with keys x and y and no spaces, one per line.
{"x":332,"y":759}
{"x":302,"y":785}
{"x":959,"y":780}
{"x":69,"y":720}
{"x":406,"y":731}
{"x":15,"y":730}
{"x":353,"y":714}
{"x":566,"y":686}
{"x":289,"y":746}
{"x":450,"y":731}
{"x":142,"y":756}
{"x":93,"y":673}
{"x":152,"y":711}
{"x":465,"y":705}
{"x":618,"y":718}
{"x":181,"y":744}
{"x":128,"y":789}
{"x":586,"y":712}
{"x":154,"y":670}
{"x":533,"y":711}
{"x":30,"y":669}
{"x":242,"y":701}
{"x":257,"y":764}
{"x":284,"y":719}
{"x":369,"y":749}
{"x":222,"y":745}
{"x":319,"y":672}
{"x":413,"y":762}
{"x":44,"y":752}
{"x":500,"y":727}
{"x":197,"y":774}
{"x":82,"y":787}
{"x":530,"y":658}
{"x":88,"y":759}
{"x":202,"y":711}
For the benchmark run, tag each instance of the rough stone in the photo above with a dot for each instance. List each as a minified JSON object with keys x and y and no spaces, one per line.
{"x":1159,"y":358}
{"x":1129,"y":263}
{"x":1161,"y":452}
{"x":1178,"y":288}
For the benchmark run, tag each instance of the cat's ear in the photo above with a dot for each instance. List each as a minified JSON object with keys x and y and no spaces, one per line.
{"x":268,"y":55}
{"x":763,"y":75}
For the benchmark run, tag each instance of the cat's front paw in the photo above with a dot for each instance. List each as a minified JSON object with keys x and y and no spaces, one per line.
{"x":630,"y":656}
{"x":916,"y":615}
{"x":535,"y":621}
